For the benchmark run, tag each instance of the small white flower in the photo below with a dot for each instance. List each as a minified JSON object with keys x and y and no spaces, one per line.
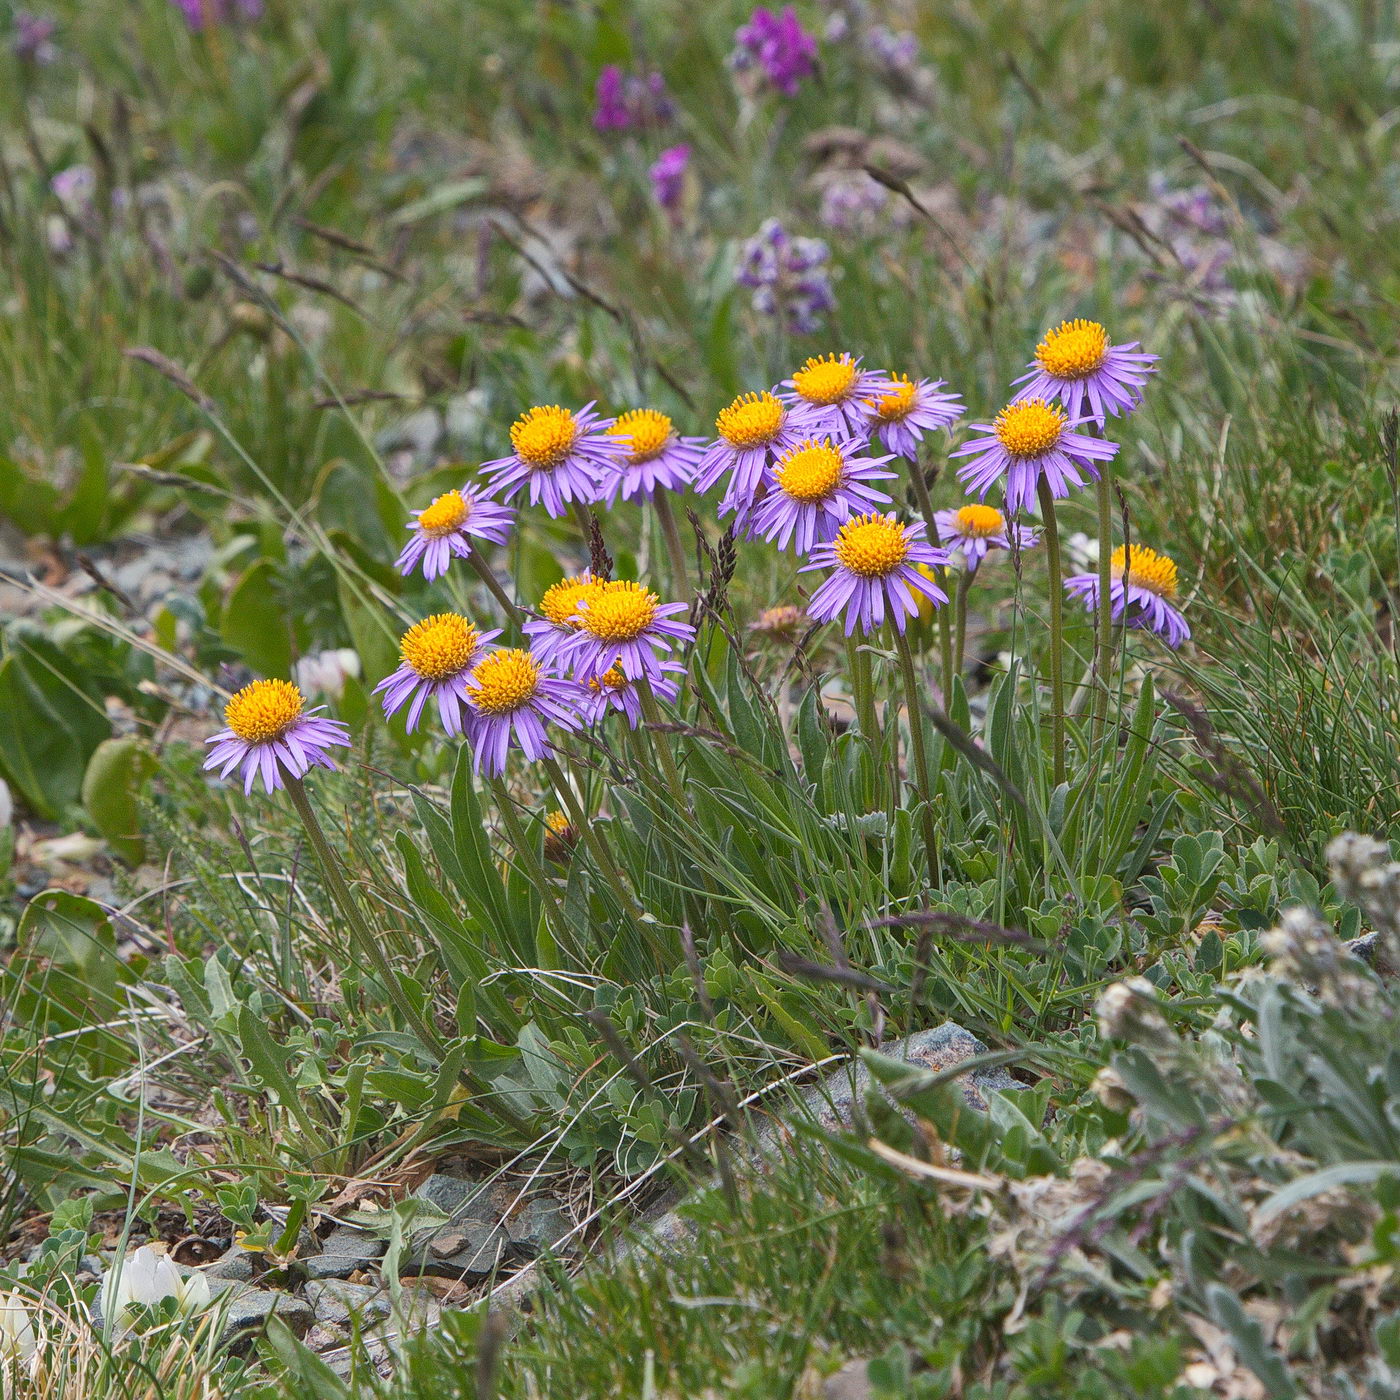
{"x":144,"y":1279}
{"x":1083,"y":550}
{"x":325,"y":672}
{"x":18,"y":1341}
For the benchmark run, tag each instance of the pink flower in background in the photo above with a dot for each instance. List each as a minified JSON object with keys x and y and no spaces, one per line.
{"x":778,"y":45}
{"x":622,"y":101}
{"x":33,"y":38}
{"x":667,"y":175}
{"x":199,"y":13}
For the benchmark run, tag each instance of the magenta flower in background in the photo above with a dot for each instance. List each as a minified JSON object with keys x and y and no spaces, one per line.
{"x":974,"y":530}
{"x":198,"y":13}
{"x":32,"y":42}
{"x":777,"y":44}
{"x":437,"y":654}
{"x":513,"y":699}
{"x":1143,"y":587}
{"x":667,"y":176}
{"x":907,"y":409}
{"x":443,"y":530}
{"x":875,"y":561}
{"x":270,"y":732}
{"x":560,"y":455}
{"x":614,"y":691}
{"x":815,"y":487}
{"x":1031,"y":440}
{"x":622,"y":101}
{"x":1076,"y":364}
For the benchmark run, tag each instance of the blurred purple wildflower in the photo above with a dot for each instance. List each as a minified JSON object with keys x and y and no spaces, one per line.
{"x":626,"y":100}
{"x":788,"y":276}
{"x":199,"y":13}
{"x":778,"y":45}
{"x":33,"y":38}
{"x":667,"y":175}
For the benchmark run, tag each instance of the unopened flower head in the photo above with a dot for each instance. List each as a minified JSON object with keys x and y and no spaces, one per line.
{"x":270,"y":732}
{"x":560,"y":456}
{"x":777,"y":46}
{"x":1030,"y":441}
{"x":145,"y":1279}
{"x":816,"y":485}
{"x":974,"y":530}
{"x":1304,"y":951}
{"x":754,"y":431}
{"x":1143,"y":585}
{"x":614,"y":690}
{"x":437,"y":655}
{"x":513,"y":698}
{"x":446,"y":528}
{"x":658,"y":458}
{"x":875,"y":569}
{"x":560,"y":837}
{"x":830,"y":394}
{"x":906,"y":409}
{"x":781,"y":623}
{"x":624,"y":624}
{"x":1076,"y":364}
{"x":1129,"y":1010}
{"x":559,"y":615}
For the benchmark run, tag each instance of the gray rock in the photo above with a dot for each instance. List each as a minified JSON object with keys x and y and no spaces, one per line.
{"x":337,"y":1303}
{"x":461,"y":1199}
{"x":248,"y":1309}
{"x":539,"y":1225}
{"x":851,"y":1382}
{"x":343,"y":1251}
{"x":235,"y":1263}
{"x":472,"y":1249}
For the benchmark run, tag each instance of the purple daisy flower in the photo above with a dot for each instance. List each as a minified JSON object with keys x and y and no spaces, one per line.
{"x":1143,"y":585}
{"x":513,"y":697}
{"x":614,"y":691}
{"x":1031,"y":439}
{"x":624,"y":624}
{"x":753,"y":431}
{"x":832,"y":394}
{"x":445,"y":527}
{"x":657,"y":457}
{"x":269,"y":730}
{"x":876,"y":560}
{"x":558,"y":622}
{"x":560,"y":455}
{"x":816,"y":486}
{"x":437,"y":654}
{"x":1076,"y":364}
{"x":907,"y":409}
{"x":972,"y":531}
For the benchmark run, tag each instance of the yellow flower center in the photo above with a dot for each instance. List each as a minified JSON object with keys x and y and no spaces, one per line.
{"x":503,"y":681}
{"x":647,"y":432}
{"x":826,"y":379}
{"x":1073,"y":350}
{"x":752,"y":420}
{"x":445,"y":514}
{"x":978,"y":522}
{"x":1029,"y":428}
{"x":1145,"y":568}
{"x":440,"y":646}
{"x":811,"y":471}
{"x":561,"y":600}
{"x":611,"y":679}
{"x":619,"y":613}
{"x":558,"y":823}
{"x":783,"y":618}
{"x":264,"y":710}
{"x":544,"y":436}
{"x":872,"y":545}
{"x":898,"y":404}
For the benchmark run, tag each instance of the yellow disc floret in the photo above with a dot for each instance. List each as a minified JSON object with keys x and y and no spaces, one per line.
{"x":811,"y":471}
{"x":898,"y":404}
{"x":621,"y":612}
{"x":872,"y":545}
{"x":1073,"y":350}
{"x":264,"y":710}
{"x":544,"y":436}
{"x":614,"y":678}
{"x":440,"y":646}
{"x":503,"y":681}
{"x":1145,"y":568}
{"x":561,"y":600}
{"x":1029,"y":428}
{"x":978,"y":522}
{"x":558,"y":823}
{"x":447,"y":513}
{"x":752,"y":420}
{"x":647,"y":432}
{"x":826,"y":379}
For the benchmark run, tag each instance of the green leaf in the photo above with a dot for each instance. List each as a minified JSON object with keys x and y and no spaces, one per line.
{"x":255,"y":624}
{"x":116,"y":773}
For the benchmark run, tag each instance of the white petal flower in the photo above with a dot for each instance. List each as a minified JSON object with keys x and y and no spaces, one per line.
{"x":18,"y":1341}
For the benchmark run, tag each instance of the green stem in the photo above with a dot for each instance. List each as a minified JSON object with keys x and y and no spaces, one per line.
{"x":513,"y":613}
{"x":680,"y":577}
{"x":921,"y":495}
{"x":914,"y":705}
{"x":1057,"y":629}
{"x":862,"y":690}
{"x":945,"y":644}
{"x":661,"y":744}
{"x":1103,"y":656}
{"x":370,"y":947}
{"x":960,"y":620}
{"x":592,"y":838}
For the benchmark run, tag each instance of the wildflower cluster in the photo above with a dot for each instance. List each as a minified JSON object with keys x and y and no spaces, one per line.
{"x":788,"y":276}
